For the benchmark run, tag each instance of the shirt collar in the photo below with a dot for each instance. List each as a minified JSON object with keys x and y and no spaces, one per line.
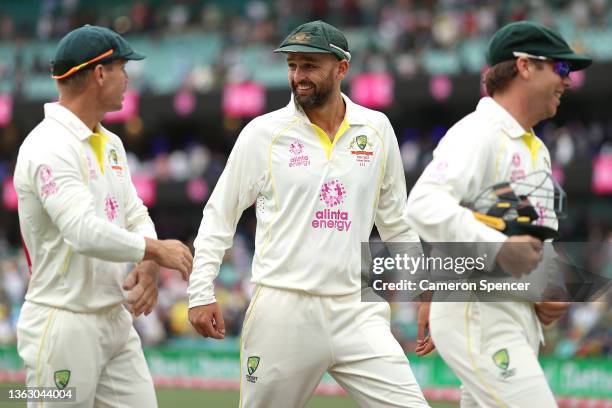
{"x":69,"y":120}
{"x":508,"y":124}
{"x":352,"y":116}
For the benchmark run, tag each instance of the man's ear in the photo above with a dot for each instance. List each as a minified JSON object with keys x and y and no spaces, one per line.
{"x":523,"y":67}
{"x":343,"y":69}
{"x":99,"y":74}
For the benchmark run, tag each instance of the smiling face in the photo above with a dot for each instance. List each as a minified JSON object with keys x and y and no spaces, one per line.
{"x":546,"y":87}
{"x":314,"y":77}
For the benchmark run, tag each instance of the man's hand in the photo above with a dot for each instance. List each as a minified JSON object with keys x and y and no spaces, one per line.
{"x":171,"y":254}
{"x":548,"y":312}
{"x":425,"y":344}
{"x":141,"y":283}
{"x":520,"y":254}
{"x":208,"y":320}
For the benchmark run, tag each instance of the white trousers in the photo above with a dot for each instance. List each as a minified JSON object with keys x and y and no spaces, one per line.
{"x":290,"y":339}
{"x":493,"y":349}
{"x":101,"y":352}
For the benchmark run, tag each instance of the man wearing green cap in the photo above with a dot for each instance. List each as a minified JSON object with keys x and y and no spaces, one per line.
{"x":81,"y":221}
{"x":493,"y":346}
{"x":322,"y":171}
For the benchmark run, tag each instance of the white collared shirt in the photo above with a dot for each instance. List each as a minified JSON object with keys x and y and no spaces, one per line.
{"x":484,"y":148}
{"x":316,"y":202}
{"x":79,"y":223}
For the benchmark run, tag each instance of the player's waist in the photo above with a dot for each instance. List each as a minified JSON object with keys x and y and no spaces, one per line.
{"x":76,"y":304}
{"x":325,"y":289}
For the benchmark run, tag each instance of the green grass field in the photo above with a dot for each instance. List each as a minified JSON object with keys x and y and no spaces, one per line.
{"x":174,"y":398}
{"x":187,"y":398}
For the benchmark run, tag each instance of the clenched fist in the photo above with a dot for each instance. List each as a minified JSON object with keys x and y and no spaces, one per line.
{"x":520,"y":254}
{"x":208,"y":320}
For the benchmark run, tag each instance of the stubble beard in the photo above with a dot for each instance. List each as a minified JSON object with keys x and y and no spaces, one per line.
{"x":319,"y":96}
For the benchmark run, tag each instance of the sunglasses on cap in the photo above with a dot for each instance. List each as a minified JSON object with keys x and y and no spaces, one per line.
{"x":561,"y":67}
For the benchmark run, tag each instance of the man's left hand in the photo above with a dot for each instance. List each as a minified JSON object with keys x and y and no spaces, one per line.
{"x":425,"y":344}
{"x":141,"y":283}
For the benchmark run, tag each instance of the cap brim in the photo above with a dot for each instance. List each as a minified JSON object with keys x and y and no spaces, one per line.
{"x":135,"y":56}
{"x":577,"y":61}
{"x":301,"y":48}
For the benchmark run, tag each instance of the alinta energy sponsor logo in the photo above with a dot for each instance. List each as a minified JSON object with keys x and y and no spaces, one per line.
{"x":517,"y":170}
{"x":298,"y":158}
{"x":542,"y":216}
{"x":362,"y":149}
{"x":92,"y":171}
{"x":49,"y":186}
{"x":332,"y":194}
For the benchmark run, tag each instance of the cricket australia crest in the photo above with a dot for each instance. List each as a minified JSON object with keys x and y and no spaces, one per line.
{"x":362,"y":148}
{"x":252,"y":364}
{"x":61,"y":378}
{"x":501,"y":358}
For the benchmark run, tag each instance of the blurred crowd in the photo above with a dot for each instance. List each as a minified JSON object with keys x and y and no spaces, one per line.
{"x":400,"y":36}
{"x":406,"y":24}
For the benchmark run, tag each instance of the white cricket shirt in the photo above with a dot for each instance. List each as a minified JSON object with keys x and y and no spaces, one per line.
{"x":486,"y":147}
{"x":80,"y":220}
{"x":316,"y":201}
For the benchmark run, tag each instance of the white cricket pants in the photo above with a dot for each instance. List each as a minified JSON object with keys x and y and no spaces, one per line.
{"x":102,"y":352}
{"x":293,"y":338}
{"x":493,"y":349}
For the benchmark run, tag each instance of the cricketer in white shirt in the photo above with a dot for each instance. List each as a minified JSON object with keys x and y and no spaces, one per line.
{"x":81,"y":220}
{"x":316,"y":202}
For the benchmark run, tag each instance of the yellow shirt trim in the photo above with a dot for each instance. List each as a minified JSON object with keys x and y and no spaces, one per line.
{"x":98,"y":142}
{"x":533,"y":144}
{"x":268,"y":229}
{"x":328,"y":145}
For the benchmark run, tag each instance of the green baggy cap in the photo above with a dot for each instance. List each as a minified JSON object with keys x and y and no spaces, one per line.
{"x":88,"y":45}
{"x":535,"y":39}
{"x":316,"y":36}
